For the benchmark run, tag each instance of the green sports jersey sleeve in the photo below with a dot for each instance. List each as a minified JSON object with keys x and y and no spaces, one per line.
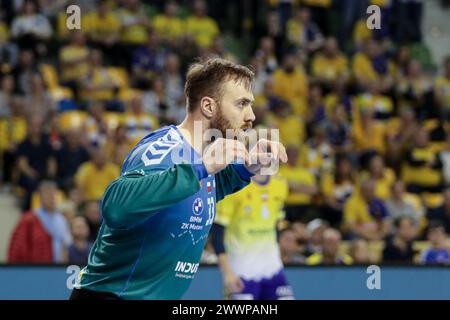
{"x":231,"y":179}
{"x":135,"y":197}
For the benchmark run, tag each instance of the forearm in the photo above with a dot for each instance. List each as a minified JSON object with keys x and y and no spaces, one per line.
{"x":133,"y":198}
{"x":230,"y":180}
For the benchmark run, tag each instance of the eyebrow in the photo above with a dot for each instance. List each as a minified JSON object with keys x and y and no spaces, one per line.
{"x":246,"y":100}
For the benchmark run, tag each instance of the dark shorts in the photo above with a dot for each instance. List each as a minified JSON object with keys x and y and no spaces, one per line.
{"x":274,"y":288}
{"x":85,"y":294}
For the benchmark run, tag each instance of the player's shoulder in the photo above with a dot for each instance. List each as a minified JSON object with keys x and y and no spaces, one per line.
{"x":153,"y":150}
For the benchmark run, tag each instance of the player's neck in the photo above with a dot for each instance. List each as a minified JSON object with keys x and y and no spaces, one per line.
{"x":194,"y":134}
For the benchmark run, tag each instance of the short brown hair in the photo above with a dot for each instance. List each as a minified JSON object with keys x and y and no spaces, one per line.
{"x":207,"y":76}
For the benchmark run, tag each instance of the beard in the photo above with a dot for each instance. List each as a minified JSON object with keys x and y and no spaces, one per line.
{"x":221,"y":123}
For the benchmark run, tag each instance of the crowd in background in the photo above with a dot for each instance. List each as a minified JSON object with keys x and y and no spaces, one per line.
{"x":364,"y":115}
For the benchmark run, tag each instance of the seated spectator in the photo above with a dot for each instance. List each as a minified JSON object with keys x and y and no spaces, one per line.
{"x":137,"y":122}
{"x":134,"y":23}
{"x":442,"y":90}
{"x":302,"y":33}
{"x":315,"y":230}
{"x":147,"y":61}
{"x":441,"y":213}
{"x":415,"y":89}
{"x":437,"y":253}
{"x":91,"y":211}
{"x":118,"y":146}
{"x":289,"y":249}
{"x":6,"y":95}
{"x":202,"y":28}
{"x":368,"y":135}
{"x":383,"y":176}
{"x":359,"y":252}
{"x":39,"y":101}
{"x":302,"y":186}
{"x":372,"y":98}
{"x":290,"y":126}
{"x":31,"y":28}
{"x":444,"y":155}
{"x":42,"y":236}
{"x":365,"y":215}
{"x":330,"y":64}
{"x":35,"y":159}
{"x":94,"y":176}
{"x":81,"y":246}
{"x":74,"y":59}
{"x":13,"y":130}
{"x":372,"y":64}
{"x":291,"y":83}
{"x":103,"y":29}
{"x":403,"y":204}
{"x":422,"y":166}
{"x":98,"y":84}
{"x":338,"y":130}
{"x":71,"y":156}
{"x":168,"y":26}
{"x":398,"y":249}
{"x":331,"y":241}
{"x":336,"y":188}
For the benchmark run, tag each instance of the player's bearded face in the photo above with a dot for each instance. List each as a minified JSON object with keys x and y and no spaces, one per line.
{"x":221,"y":122}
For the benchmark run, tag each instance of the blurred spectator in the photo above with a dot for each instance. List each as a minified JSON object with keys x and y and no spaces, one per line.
{"x":174,"y":85}
{"x":441,"y":213}
{"x":134,"y":24}
{"x":422,"y":166}
{"x":70,"y":157}
{"x":368,"y":136}
{"x":138,"y":123}
{"x":444,"y":156}
{"x":118,"y":145}
{"x":98,"y":84}
{"x":95,"y":126}
{"x":201,"y":27}
{"x":103,"y":29}
{"x":74,"y":59}
{"x":415,"y":89}
{"x":94,"y":176}
{"x":315,"y":229}
{"x":331,"y":240}
{"x":35,"y":159}
{"x":266,"y":54}
{"x":24,"y":72}
{"x":337,"y":187}
{"x":13,"y":130}
{"x":338,"y":130}
{"x":372,"y":64}
{"x":31,"y":28}
{"x":437,"y":253}
{"x":442,"y":90}
{"x":400,"y":135}
{"x":291,"y":83}
{"x":42,"y":236}
{"x":81,"y":246}
{"x":398,"y":249}
{"x":329,"y":64}
{"x":365,"y":215}
{"x":39,"y":101}
{"x":401,"y":204}
{"x":148,"y":60}
{"x":302,"y":33}
{"x":372,"y":98}
{"x":383,"y":177}
{"x":302,"y":186}
{"x":155,"y":100}
{"x":91,"y":211}
{"x":168,"y":26}
{"x":317,"y":153}
{"x":290,"y":126}
{"x":359,"y":252}
{"x":316,"y":107}
{"x":289,"y":249}
{"x":6,"y":95}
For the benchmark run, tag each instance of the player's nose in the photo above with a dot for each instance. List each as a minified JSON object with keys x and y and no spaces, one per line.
{"x":250,"y":115}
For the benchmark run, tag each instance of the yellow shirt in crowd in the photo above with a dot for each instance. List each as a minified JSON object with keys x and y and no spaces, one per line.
{"x":93,"y":181}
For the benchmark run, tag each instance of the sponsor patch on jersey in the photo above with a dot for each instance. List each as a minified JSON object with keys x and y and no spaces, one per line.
{"x":197,"y":206}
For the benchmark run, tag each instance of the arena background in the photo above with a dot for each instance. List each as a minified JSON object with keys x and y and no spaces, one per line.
{"x":353,"y":105}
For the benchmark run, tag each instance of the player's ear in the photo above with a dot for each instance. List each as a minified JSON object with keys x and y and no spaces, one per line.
{"x":207,"y":107}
